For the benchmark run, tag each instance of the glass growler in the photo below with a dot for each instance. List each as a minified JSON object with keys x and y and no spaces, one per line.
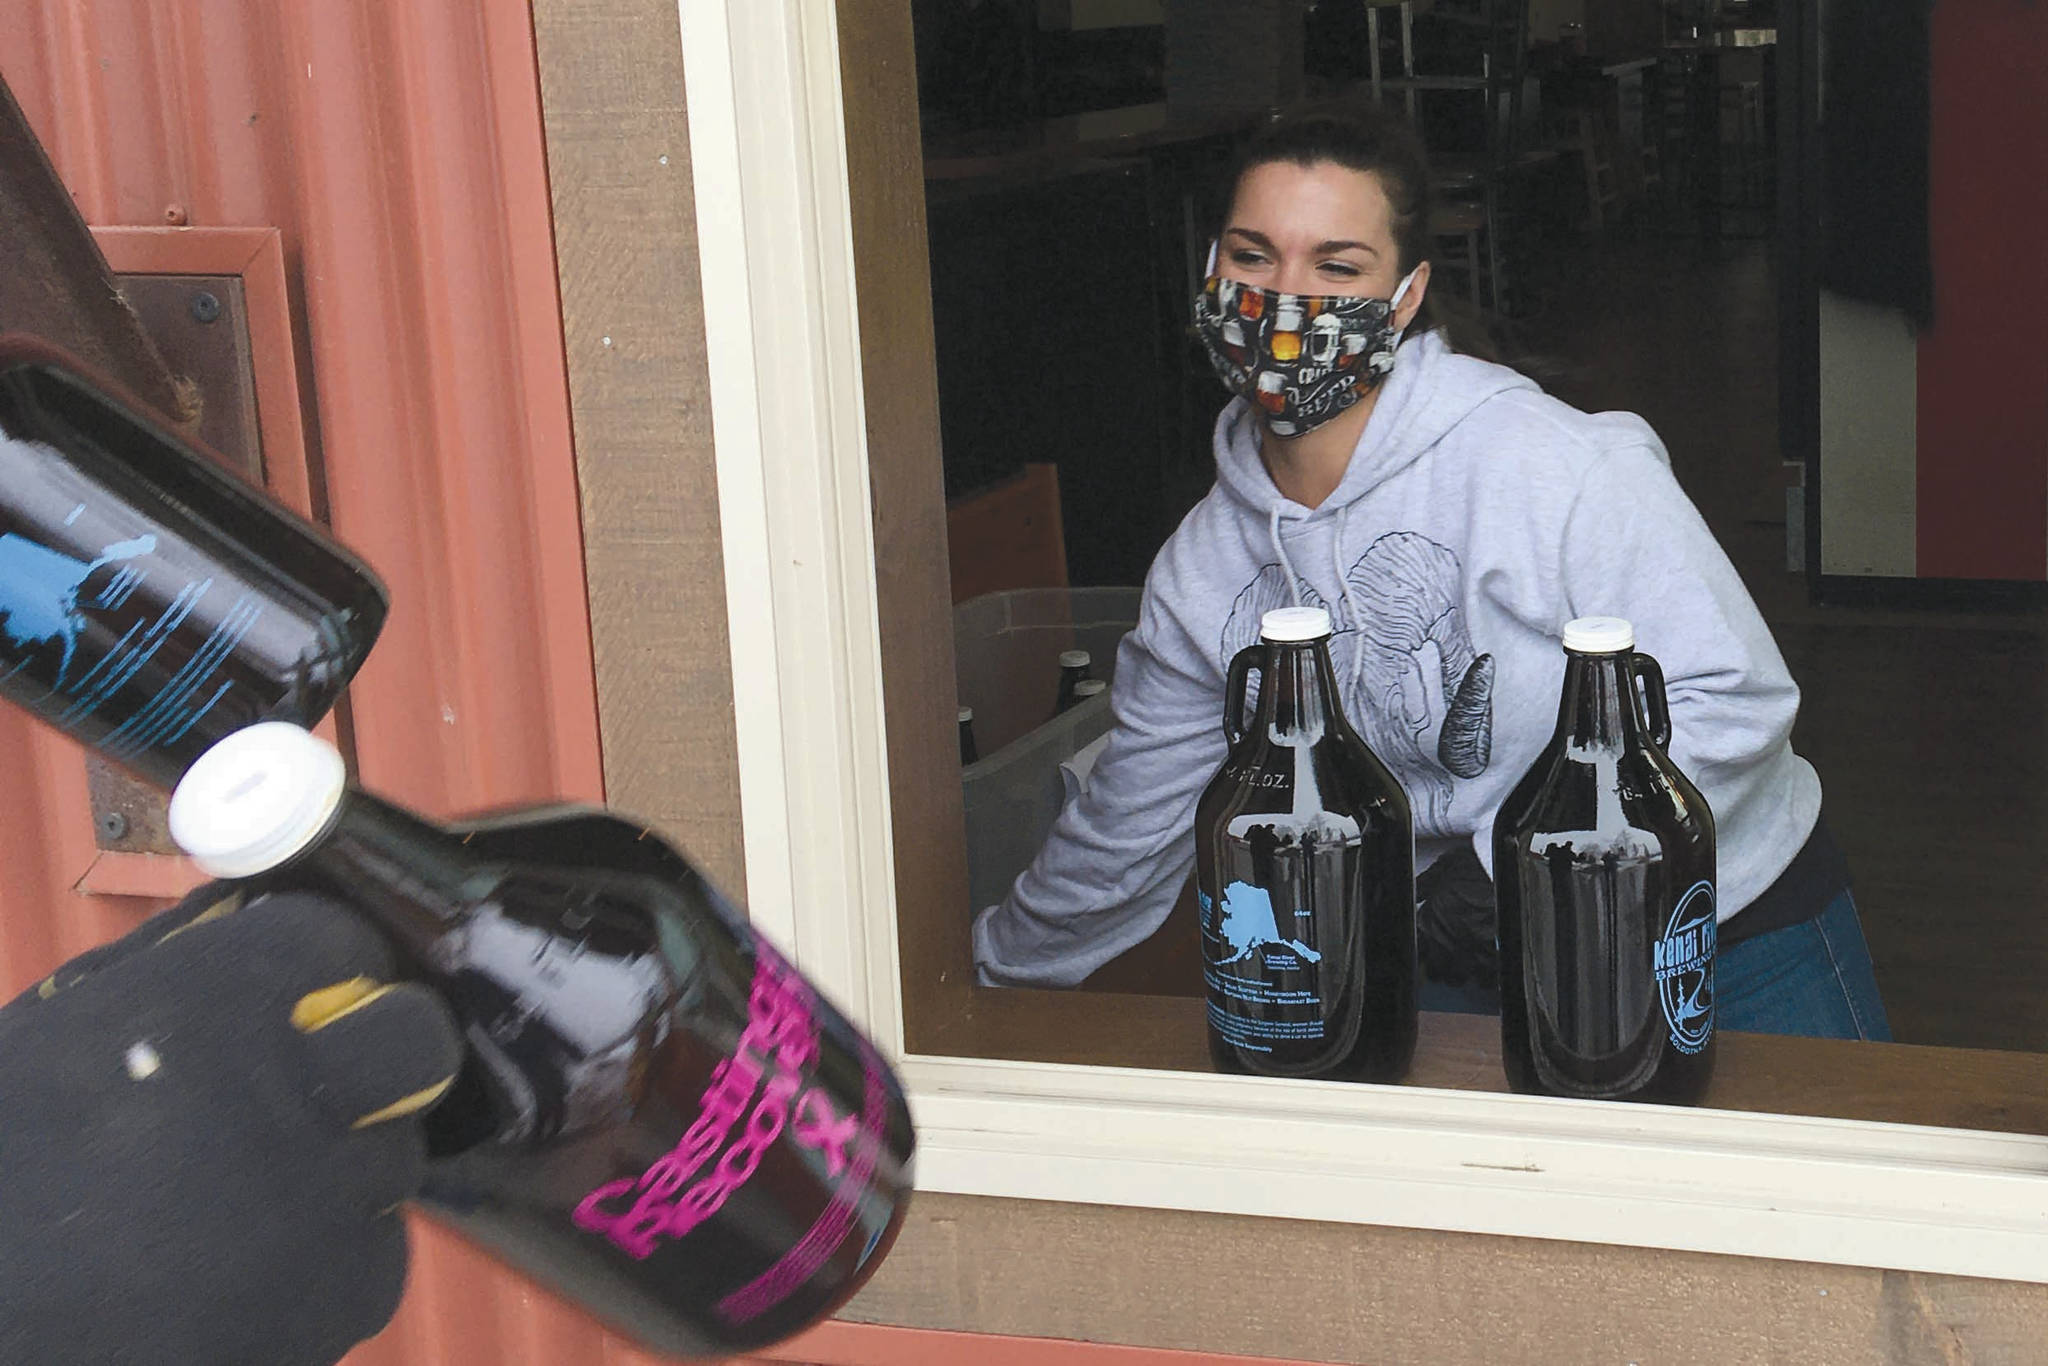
{"x":150,"y":601}
{"x":1603,"y":861}
{"x":657,"y":1117}
{"x":1304,"y":876}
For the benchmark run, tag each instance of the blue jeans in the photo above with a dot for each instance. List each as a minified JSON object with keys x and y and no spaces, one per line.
{"x":1812,"y":979}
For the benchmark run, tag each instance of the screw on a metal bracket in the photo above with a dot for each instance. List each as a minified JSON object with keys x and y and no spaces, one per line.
{"x":113,"y":825}
{"x":205,"y":307}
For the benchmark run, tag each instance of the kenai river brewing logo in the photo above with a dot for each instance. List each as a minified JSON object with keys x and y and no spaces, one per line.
{"x":1684,"y":962}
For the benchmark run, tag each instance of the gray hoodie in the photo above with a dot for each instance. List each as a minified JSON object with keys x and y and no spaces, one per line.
{"x":1477,"y":516}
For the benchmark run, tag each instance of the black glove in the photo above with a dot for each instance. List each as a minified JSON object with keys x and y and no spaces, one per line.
{"x":206,"y":1130}
{"x":1454,"y":922}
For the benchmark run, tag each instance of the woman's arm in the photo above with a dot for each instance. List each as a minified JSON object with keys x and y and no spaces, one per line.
{"x":1115,"y":860}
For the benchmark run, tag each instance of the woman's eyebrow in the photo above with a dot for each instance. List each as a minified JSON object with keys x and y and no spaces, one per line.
{"x":1335,"y":244}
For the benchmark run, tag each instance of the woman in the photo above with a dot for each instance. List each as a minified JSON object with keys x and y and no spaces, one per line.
{"x":1452,"y":518}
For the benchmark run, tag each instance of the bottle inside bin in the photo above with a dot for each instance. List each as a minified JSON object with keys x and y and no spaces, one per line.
{"x":1074,"y":671}
{"x":658,"y":1117}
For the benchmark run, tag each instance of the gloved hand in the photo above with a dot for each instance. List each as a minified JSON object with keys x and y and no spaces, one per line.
{"x":1454,"y":923}
{"x":206,"y":1130}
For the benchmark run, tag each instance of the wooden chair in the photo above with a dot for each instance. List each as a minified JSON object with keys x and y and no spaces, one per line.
{"x":1496,"y":81}
{"x":1008,"y":535}
{"x":1589,"y":140}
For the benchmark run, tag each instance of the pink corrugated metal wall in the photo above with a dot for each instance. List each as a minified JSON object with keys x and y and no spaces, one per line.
{"x":397,"y":144}
{"x":398,"y":148}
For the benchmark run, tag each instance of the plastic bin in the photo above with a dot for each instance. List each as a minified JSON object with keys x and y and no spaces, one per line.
{"x":1006,"y":649}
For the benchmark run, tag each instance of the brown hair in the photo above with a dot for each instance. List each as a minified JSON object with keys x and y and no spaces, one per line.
{"x":1368,"y":140}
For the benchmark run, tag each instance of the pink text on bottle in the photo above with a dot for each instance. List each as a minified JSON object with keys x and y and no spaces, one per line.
{"x":678,"y":1192}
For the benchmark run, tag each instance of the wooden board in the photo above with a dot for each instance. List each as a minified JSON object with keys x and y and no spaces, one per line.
{"x":618,"y":147}
{"x":1964,"y":1088}
{"x":878,"y":71}
{"x":839,"y":1342}
{"x":1324,"y":1292}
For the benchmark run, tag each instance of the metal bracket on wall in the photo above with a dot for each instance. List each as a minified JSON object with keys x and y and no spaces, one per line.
{"x":53,"y":284}
{"x":213,"y":301}
{"x":199,"y":324}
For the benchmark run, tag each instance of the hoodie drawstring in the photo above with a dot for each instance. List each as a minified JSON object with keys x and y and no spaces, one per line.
{"x":1351,"y":607}
{"x":1353,"y":612}
{"x":1287,"y":565}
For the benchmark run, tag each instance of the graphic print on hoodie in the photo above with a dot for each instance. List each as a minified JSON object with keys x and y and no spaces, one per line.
{"x":1415,"y":686}
{"x":1477,"y":515}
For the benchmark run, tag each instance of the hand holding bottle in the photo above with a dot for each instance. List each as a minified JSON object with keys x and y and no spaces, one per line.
{"x":654,"y":1113}
{"x":210,"y":1126}
{"x":657,"y":1115}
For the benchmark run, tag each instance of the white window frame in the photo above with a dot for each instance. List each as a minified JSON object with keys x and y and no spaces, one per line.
{"x":775,"y":234}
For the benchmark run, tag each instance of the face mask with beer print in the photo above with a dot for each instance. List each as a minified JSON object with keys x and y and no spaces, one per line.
{"x":1301,"y":359}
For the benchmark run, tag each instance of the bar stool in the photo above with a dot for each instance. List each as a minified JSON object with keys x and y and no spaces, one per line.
{"x":1461,"y":225}
{"x":1372,"y":26}
{"x":1673,"y":131}
{"x":1588,"y":139}
{"x":1471,"y":194}
{"x":1742,"y":127}
{"x":1655,"y":196}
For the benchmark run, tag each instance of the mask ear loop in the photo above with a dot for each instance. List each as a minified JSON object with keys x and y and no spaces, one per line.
{"x":1209,"y":271}
{"x":1400,"y":293}
{"x":1400,"y":290}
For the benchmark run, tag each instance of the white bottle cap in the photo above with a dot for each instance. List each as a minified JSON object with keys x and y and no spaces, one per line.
{"x":1089,"y":687}
{"x":1599,"y":636}
{"x":966,"y":715}
{"x":1284,"y":624}
{"x":1074,"y":659}
{"x":256,"y":799}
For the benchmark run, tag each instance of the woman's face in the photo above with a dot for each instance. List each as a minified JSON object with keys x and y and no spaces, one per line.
{"x":1319,"y":229}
